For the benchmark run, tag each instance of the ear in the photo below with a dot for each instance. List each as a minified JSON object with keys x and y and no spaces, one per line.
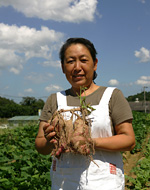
{"x":95,"y":64}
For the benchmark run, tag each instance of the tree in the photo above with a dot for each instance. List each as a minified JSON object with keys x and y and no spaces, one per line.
{"x":140,"y":97}
{"x":28,"y":101}
{"x":7,"y":107}
{"x":5,"y":101}
{"x":32,"y":105}
{"x":28,"y":106}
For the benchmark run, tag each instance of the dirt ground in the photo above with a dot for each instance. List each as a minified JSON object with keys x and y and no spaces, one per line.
{"x":130,"y":160}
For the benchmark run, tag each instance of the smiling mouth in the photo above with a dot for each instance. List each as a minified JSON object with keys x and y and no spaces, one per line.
{"x":78,"y":76}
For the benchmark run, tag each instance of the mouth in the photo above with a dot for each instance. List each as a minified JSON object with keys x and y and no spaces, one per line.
{"x":78,"y":76}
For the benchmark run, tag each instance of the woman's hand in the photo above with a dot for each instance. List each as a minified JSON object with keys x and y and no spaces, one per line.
{"x":49,"y":132}
{"x":45,"y":141}
{"x":81,"y":144}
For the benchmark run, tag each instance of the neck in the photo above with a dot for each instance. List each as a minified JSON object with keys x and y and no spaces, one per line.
{"x":86,"y":90}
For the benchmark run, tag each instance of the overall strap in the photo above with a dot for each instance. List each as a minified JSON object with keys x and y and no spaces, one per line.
{"x":106,"y":96}
{"x":61,"y":99}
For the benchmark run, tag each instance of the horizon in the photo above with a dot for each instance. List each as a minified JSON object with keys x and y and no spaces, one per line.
{"x":45,"y":98}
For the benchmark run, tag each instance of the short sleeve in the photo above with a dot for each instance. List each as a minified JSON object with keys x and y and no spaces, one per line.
{"x":120,"y":110}
{"x":49,"y":108}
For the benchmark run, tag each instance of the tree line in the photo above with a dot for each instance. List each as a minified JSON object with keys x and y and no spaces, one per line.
{"x":28,"y":106}
{"x":31,"y":105}
{"x":140,"y":97}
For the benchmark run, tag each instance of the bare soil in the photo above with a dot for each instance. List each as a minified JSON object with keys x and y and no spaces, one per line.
{"x":130,"y":160}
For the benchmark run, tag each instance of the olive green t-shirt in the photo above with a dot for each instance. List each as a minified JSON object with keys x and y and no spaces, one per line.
{"x":119,"y":109}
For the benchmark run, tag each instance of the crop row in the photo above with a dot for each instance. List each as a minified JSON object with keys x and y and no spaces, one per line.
{"x":141,"y":179}
{"x":21,"y":167}
{"x":141,"y":126}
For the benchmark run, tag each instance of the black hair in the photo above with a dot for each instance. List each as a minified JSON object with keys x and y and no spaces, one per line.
{"x":89,"y":45}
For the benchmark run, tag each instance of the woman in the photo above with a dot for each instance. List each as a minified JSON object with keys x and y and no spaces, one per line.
{"x":111,"y":128}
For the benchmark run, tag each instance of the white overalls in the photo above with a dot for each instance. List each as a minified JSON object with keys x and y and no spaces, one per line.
{"x":77,"y":172}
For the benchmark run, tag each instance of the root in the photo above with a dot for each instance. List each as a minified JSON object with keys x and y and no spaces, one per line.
{"x":74,"y":136}
{"x":91,"y":159}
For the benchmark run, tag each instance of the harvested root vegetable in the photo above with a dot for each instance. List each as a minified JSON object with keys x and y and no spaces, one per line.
{"x":58,"y":122}
{"x":81,"y":141}
{"x":73,"y":135}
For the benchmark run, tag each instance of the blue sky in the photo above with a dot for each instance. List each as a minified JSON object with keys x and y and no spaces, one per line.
{"x":32,"y":32}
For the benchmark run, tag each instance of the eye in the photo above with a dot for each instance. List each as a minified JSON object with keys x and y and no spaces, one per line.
{"x":70,"y":61}
{"x":84,"y":60}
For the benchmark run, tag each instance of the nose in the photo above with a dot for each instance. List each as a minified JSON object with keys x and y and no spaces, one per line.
{"x":77,"y":66}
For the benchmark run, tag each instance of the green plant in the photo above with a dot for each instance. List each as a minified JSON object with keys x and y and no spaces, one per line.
{"x":141,"y":124}
{"x":21,"y":167}
{"x":141,"y":171}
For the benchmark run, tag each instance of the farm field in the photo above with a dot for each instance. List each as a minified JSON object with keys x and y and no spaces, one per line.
{"x":21,"y":167}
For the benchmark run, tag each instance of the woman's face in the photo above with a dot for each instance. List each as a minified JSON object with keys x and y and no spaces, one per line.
{"x":79,"y":66}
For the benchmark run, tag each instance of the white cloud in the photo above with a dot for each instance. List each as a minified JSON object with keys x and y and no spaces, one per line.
{"x":53,"y":88}
{"x":10,"y":60}
{"x":143,"y":81}
{"x":58,"y":10}
{"x":142,"y":1}
{"x":38,"y":78}
{"x":19,"y":44}
{"x":52,"y":63}
{"x":113,"y":82}
{"x":15,"y":70}
{"x":143,"y":55}
{"x":29,"y":90}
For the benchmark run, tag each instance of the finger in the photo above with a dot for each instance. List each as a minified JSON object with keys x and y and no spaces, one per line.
{"x":49,"y":136}
{"x":46,"y":125}
{"x":54,"y":141}
{"x":48,"y":129}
